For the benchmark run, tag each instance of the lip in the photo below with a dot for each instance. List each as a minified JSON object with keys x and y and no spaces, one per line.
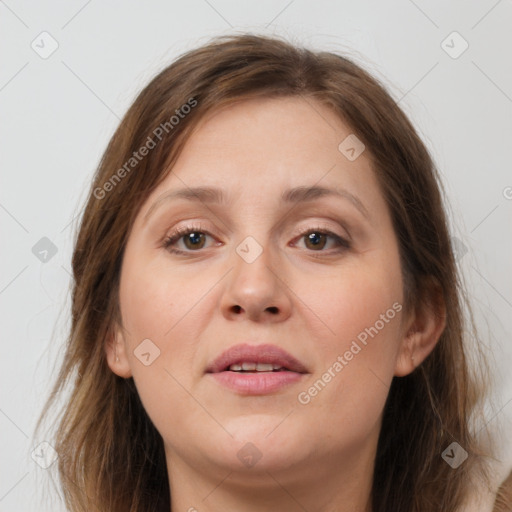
{"x":256,"y":354}
{"x":256,"y":383}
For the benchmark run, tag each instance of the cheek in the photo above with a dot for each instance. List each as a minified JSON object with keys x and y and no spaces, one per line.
{"x":361,"y":309}
{"x":153,"y":299}
{"x":156,"y":306}
{"x":172,"y":308}
{"x":355,"y":300}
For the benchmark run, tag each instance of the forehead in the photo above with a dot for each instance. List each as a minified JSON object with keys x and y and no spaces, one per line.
{"x":270,"y":144}
{"x":289,"y":128}
{"x":258,"y":160}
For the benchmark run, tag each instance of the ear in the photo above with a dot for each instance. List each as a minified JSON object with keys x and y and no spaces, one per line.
{"x":115,"y":348}
{"x":422,"y":329}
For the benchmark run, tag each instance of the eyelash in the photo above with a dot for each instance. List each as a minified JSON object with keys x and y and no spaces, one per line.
{"x":174,"y":237}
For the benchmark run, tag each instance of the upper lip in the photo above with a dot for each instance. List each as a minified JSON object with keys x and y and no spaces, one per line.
{"x":255,"y":354}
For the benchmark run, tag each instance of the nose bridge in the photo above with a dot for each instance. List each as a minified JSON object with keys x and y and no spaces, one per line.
{"x":254,"y":286}
{"x":253,"y":266}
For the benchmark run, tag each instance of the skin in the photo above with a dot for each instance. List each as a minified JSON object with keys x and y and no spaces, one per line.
{"x":317,"y":456}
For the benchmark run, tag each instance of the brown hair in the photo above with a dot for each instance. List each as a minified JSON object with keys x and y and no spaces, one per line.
{"x":111,"y":457}
{"x":503,"y":501}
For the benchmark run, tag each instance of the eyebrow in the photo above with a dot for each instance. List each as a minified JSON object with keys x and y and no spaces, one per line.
{"x":212,"y":195}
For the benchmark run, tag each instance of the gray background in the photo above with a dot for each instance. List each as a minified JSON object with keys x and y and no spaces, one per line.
{"x":58,"y":112}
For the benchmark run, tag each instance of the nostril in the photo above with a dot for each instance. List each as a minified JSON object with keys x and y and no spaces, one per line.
{"x":237,"y":309}
{"x":273,"y":310}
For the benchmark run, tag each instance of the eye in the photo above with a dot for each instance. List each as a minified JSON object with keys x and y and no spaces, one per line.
{"x":193,"y":239}
{"x":316,"y":239}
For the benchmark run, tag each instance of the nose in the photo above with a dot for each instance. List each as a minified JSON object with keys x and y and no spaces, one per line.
{"x":256,"y":290}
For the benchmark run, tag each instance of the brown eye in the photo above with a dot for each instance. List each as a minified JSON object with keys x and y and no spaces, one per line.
{"x":188,"y":239}
{"x":194,"y":240}
{"x":316,"y":240}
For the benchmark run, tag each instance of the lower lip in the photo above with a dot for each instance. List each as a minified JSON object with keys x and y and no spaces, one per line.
{"x":256,"y":383}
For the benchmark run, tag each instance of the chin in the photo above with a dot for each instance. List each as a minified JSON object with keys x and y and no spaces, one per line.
{"x":262,"y":442}
{"x":263,"y":428}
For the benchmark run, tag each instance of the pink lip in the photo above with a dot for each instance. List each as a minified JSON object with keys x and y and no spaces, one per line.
{"x":256,"y":383}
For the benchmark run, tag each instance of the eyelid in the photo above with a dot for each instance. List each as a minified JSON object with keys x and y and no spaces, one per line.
{"x":177,"y":233}
{"x":313,"y":225}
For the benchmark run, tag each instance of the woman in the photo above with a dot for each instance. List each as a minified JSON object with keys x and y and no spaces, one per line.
{"x":266,"y":308}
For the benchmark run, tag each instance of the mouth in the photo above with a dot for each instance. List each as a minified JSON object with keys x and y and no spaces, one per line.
{"x":252,"y":367}
{"x":256,"y":369}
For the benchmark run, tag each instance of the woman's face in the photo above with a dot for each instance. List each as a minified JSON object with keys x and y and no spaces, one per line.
{"x":313,"y":273}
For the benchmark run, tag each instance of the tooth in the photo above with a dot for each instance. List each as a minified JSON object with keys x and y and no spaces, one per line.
{"x":250,"y":366}
{"x":264,"y":367}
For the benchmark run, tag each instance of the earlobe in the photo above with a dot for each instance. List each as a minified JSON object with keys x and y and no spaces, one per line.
{"x":422,"y":332}
{"x":115,"y":349}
